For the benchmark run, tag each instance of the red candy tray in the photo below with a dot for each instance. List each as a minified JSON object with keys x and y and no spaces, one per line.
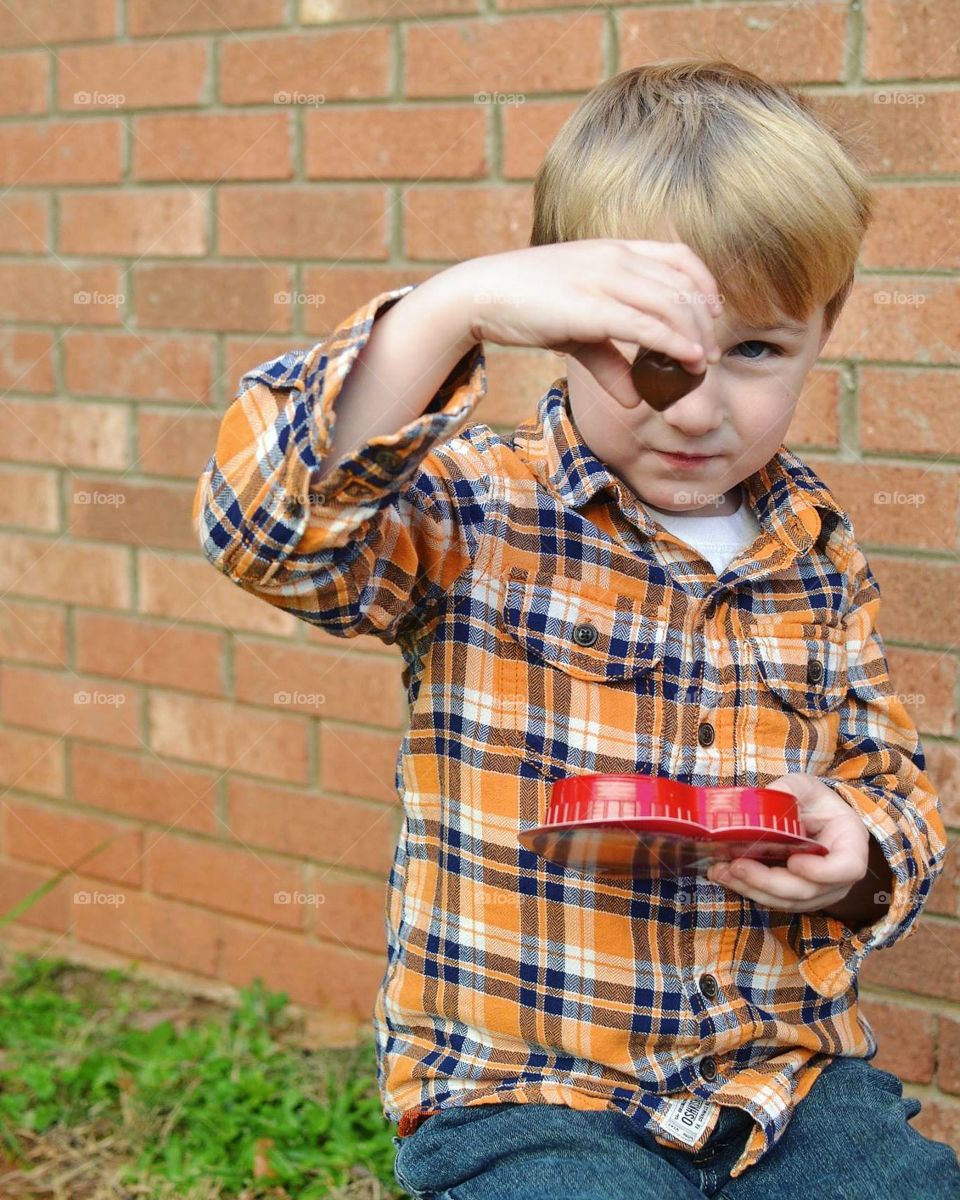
{"x":644,"y":825}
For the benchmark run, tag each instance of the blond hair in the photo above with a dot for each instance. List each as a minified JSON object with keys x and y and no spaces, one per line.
{"x":768,"y":195}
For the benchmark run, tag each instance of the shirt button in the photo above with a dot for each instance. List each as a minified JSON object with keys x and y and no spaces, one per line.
{"x":387,"y":459}
{"x":708,"y":1068}
{"x":293,"y":506}
{"x":584,"y":634}
{"x":814,"y":671}
{"x":706,"y":734}
{"x":709,"y":986}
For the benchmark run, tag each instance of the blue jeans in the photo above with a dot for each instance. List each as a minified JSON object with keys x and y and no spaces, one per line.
{"x":848,"y":1139}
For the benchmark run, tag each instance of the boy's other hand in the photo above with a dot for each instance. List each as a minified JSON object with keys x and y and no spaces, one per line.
{"x":575,"y":297}
{"x":808,"y":881}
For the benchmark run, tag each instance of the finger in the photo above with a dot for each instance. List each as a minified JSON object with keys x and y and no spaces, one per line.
{"x":658,"y":299}
{"x":770,"y":881}
{"x":842,"y":865}
{"x":610,"y":369}
{"x":681,"y":290}
{"x":685,"y":259}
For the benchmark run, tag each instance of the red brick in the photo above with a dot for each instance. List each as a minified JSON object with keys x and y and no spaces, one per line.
{"x":137,"y":514}
{"x":25,"y":84}
{"x":943,"y":767}
{"x":322,"y":975}
{"x":32,"y":762}
{"x":61,"y":152}
{"x":288,"y":222}
{"x":457,"y":223}
{"x":911,"y":39}
{"x":894,"y":505}
{"x":29,"y":499}
{"x":215,"y":296}
{"x":145,"y":787}
{"x":926,"y":682}
{"x":905,"y":1038}
{"x":26,"y":361}
{"x":50,"y":291}
{"x":164,"y":17}
{"x":358,"y":762}
{"x":57,"y":837}
{"x":335,"y":685}
{"x":528,"y":130}
{"x":907,"y":407}
{"x":33,"y":633}
{"x":68,"y":703}
{"x":347,"y":833}
{"x":184,"y":589}
{"x":146,"y":927}
{"x":219,"y":734}
{"x":132,"y":76}
{"x":896,"y":137}
{"x":33,"y":22}
{"x":919,"y":601}
{"x":816,"y":419}
{"x":948,"y":1056}
{"x":944,"y":898}
{"x":213,"y":146}
{"x":73,"y":435}
{"x":396,"y":143}
{"x":805,"y":42}
{"x":517,"y":55}
{"x":51,"y":911}
{"x":352,"y":911}
{"x":899,"y":318}
{"x":154,"y":223}
{"x":49,"y":569}
{"x":150,"y":652}
{"x":938,"y":1120}
{"x":175,"y":443}
{"x":318,"y":67}
{"x":345,"y":289}
{"x":24,"y":224}
{"x":140,"y":366}
{"x":225,"y":879}
{"x":318,"y":12}
{"x":926,"y":964}
{"x":914,"y":226}
{"x":244,"y":353}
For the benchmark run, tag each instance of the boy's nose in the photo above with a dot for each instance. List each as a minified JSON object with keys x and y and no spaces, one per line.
{"x":697,"y":413}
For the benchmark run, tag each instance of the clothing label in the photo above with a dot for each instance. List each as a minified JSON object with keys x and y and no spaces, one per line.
{"x":686,"y":1119}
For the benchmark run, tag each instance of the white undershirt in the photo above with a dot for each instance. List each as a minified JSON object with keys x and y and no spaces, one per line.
{"x":719,"y":538}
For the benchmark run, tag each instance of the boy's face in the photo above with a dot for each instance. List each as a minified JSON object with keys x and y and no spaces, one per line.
{"x":739,"y":415}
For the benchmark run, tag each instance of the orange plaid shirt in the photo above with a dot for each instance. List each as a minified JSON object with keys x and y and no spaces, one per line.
{"x":509,"y":978}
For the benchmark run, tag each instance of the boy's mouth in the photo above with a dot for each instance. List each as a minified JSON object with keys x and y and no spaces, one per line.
{"x":685,"y":460}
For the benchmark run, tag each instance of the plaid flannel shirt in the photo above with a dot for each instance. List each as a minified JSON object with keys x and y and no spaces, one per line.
{"x":509,"y":978}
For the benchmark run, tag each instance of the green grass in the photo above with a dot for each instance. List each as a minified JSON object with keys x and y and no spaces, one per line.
{"x":226,"y":1104}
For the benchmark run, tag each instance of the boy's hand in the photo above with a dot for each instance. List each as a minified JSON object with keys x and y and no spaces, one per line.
{"x":574,"y":297}
{"x":808,"y":881}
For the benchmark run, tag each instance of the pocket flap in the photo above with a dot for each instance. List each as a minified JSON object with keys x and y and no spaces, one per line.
{"x":584,"y":631}
{"x":804,"y":663}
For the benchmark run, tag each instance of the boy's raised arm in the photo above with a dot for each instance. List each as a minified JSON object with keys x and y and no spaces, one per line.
{"x":318,"y":497}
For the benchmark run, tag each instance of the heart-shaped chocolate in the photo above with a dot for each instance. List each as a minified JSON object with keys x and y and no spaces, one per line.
{"x":660,"y":379}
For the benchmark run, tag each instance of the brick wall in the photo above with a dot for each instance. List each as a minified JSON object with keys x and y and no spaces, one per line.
{"x":168,"y":169}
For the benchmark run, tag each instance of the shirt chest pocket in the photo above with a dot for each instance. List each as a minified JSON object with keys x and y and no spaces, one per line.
{"x":579,"y":677}
{"x":802,"y":682}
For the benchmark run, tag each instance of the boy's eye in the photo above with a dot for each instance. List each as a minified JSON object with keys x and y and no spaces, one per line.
{"x":769,"y":345}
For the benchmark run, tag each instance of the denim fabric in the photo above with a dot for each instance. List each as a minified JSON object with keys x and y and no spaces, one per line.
{"x":849,"y":1139}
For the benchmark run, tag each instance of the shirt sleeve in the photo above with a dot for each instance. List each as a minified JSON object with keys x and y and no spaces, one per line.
{"x":880,"y":770}
{"x":384,"y":534}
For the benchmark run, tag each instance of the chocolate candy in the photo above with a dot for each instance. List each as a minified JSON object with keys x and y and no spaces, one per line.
{"x":660,"y":379}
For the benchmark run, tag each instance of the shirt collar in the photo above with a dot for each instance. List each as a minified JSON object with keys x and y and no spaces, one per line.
{"x":788,"y":498}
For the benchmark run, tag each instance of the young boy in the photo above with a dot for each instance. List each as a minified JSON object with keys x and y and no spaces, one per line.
{"x":577,"y":599}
